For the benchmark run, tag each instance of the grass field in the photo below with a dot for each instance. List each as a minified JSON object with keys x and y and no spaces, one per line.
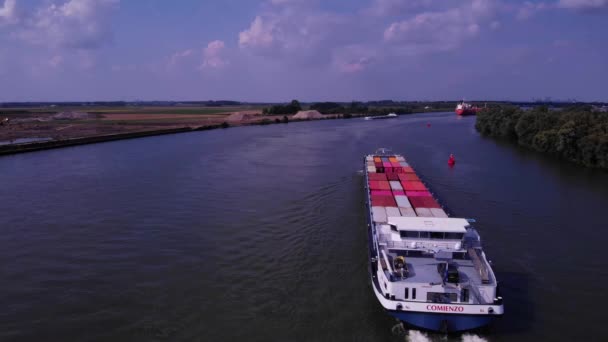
{"x":85,"y":121}
{"x":127,"y":110}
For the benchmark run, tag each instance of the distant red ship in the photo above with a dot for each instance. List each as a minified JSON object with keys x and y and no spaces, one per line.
{"x":464,"y":108}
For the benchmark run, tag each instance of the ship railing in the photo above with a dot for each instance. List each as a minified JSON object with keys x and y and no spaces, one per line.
{"x":476,"y":294}
{"x":479,"y":265}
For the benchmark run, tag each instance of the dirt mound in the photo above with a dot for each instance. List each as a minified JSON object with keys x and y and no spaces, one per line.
{"x":242,"y":116}
{"x":73,"y":116}
{"x":308,"y":114}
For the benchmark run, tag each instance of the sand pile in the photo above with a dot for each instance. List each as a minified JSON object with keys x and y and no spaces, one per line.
{"x":242,"y":116}
{"x":73,"y":116}
{"x":308,"y":114}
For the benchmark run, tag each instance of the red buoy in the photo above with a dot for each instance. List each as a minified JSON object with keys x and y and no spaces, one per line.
{"x":451,"y":160}
{"x":428,"y":124}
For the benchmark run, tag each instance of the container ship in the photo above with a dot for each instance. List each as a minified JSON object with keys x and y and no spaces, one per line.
{"x":464,"y":108}
{"x":428,"y":269}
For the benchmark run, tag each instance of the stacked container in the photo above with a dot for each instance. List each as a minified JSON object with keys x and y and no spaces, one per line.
{"x":396,"y":190}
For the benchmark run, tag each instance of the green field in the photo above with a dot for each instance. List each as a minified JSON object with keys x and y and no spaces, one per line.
{"x":127,"y":110}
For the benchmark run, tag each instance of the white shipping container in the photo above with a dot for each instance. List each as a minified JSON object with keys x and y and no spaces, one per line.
{"x":438,"y":212}
{"x":404,"y":164}
{"x":424,"y":212}
{"x":392,"y":212}
{"x":371,"y":169}
{"x":369,"y":158}
{"x":395,"y":185}
{"x":407,"y":212}
{"x":402,"y":201}
{"x":379,"y":214}
{"x":400,"y":158}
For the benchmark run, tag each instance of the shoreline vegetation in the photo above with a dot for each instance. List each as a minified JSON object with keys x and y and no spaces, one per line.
{"x":576,"y":134}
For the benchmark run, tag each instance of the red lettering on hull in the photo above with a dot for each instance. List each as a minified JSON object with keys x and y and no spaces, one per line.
{"x":445,"y":308}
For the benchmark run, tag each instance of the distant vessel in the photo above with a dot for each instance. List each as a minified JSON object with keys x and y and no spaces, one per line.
{"x":427,"y":269}
{"x":464,"y":108}
{"x":391,"y":115}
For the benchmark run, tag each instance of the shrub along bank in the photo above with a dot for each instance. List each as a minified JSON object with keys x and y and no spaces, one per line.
{"x":577,"y":134}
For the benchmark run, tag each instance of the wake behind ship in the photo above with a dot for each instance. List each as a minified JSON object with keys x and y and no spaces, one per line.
{"x":428,"y":269}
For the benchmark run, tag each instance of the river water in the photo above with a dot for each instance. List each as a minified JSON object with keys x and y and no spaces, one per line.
{"x":258,"y":234}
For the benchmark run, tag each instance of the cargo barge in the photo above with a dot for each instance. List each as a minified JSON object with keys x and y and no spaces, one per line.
{"x":388,"y":116}
{"x":428,"y":269}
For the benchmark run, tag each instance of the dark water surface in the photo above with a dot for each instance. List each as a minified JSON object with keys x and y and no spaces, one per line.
{"x":258,"y":234}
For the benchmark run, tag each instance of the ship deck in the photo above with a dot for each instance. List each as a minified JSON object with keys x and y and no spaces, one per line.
{"x":424,"y":270}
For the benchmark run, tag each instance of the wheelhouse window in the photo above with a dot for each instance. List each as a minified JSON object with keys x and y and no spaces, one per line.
{"x":413,"y":234}
{"x":453,"y":236}
{"x":409,"y":234}
{"x":437,"y":235}
{"x":407,"y":292}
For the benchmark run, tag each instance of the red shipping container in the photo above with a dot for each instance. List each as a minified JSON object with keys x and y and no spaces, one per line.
{"x":378,"y":165}
{"x":399,"y":193}
{"x":386,"y":164}
{"x":408,"y":169}
{"x":409,"y":177}
{"x":416,"y":202}
{"x":383,"y":201}
{"x":382,"y":193}
{"x":392,"y":176}
{"x":384,"y":185}
{"x":379,"y":169}
{"x":374,"y":185}
{"x":376,"y":176}
{"x":413,"y":186}
{"x":423,"y":202}
{"x":418,"y":194}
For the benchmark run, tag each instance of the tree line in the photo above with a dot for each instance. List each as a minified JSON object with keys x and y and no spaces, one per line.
{"x":347,"y":109}
{"x":577,"y":134}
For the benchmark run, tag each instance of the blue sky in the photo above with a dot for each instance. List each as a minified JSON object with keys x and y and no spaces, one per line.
{"x":312,"y":50}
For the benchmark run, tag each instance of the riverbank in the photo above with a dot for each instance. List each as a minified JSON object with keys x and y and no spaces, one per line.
{"x":578,"y":134}
{"x":37,"y":143}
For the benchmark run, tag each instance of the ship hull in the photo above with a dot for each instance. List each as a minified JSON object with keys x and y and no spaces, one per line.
{"x":464,"y":112}
{"x":442,"y":322}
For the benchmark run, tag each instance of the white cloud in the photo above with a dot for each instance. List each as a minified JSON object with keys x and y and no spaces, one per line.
{"x":259,"y":35}
{"x":8,"y":12}
{"x":177,"y":57}
{"x":354,"y":58}
{"x":212,"y":55}
{"x":583,"y":4}
{"x":297,"y":35}
{"x":443,"y":30}
{"x":529,"y":9}
{"x":82,"y":24}
{"x":393,"y":7}
{"x":436,"y":31}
